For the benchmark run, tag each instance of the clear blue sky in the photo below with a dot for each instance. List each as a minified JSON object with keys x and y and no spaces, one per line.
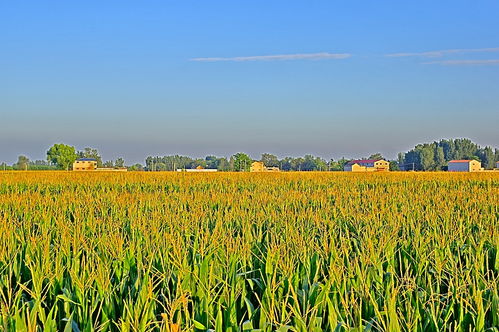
{"x":138,"y":78}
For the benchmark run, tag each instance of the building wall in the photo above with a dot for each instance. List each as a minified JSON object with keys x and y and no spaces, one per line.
{"x":475,"y":166}
{"x":458,"y":167}
{"x":357,"y":168}
{"x":465,"y":166}
{"x":382,"y":165}
{"x":257,"y":166}
{"x":84,"y":165}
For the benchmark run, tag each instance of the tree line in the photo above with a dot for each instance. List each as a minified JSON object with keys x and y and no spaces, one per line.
{"x":62,"y":156}
{"x":423,"y":157}
{"x":435,"y":156}
{"x":242,"y":162}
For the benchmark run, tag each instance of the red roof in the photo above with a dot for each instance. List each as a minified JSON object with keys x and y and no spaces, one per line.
{"x":363,"y":161}
{"x":459,"y":161}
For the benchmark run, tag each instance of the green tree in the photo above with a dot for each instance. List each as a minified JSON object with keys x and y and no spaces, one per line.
{"x":439,"y":158}
{"x":487,"y":157}
{"x":297,"y":163}
{"x":427,"y":157}
{"x":242,"y":162}
{"x":394,"y":165}
{"x":61,"y":155}
{"x":340,"y":164}
{"x":91,"y":153}
{"x":120,"y":162}
{"x":286,"y":164}
{"x":136,"y":167}
{"x":269,"y":160}
{"x":376,"y":156}
{"x":22,"y":163}
{"x":211,"y":162}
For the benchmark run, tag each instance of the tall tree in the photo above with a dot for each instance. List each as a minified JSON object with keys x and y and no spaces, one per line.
{"x":22,"y":163}
{"x":269,"y":160}
{"x":242,"y":162}
{"x":223,"y":164}
{"x":439,"y":158}
{"x":487,"y":157}
{"x":120,"y":162}
{"x":61,"y":155}
{"x":136,"y":167}
{"x":394,"y":165}
{"x":427,"y":156}
{"x":376,"y":156}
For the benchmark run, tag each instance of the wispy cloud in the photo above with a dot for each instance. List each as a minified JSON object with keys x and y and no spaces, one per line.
{"x":464,"y":62}
{"x":441,"y":53}
{"x":279,"y":57}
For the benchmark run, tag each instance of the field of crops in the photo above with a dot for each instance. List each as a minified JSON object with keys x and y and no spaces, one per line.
{"x":249,"y":252}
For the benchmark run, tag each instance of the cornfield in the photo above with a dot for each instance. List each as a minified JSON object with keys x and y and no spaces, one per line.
{"x":249,"y":252}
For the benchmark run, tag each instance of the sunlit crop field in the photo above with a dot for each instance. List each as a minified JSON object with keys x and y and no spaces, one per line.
{"x":249,"y":252}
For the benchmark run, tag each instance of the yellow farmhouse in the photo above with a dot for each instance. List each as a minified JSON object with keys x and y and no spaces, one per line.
{"x":85,"y":164}
{"x":464,"y":166}
{"x":258,"y":166}
{"x":369,"y":165}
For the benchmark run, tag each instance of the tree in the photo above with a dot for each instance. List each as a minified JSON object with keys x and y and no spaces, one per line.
{"x":242,"y":162}
{"x":338,"y":165}
{"x":394,"y":165}
{"x":436,"y":155}
{"x":91,"y":153}
{"x":427,"y":157}
{"x":286,"y":164}
{"x":136,"y":167}
{"x":120,"y":162}
{"x":211,"y":162}
{"x":376,"y":156}
{"x":296,"y":164}
{"x":22,"y":163}
{"x":308,"y":163}
{"x":439,"y":158}
{"x":61,"y":155}
{"x":487,"y":157}
{"x":223,"y":164}
{"x":269,"y":160}
{"x":199,"y":162}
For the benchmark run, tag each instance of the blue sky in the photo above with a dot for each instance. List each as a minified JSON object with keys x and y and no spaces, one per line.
{"x":334,"y":79}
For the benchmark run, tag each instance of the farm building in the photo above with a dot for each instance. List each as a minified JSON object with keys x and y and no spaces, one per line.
{"x":497,"y":165}
{"x":85,"y":164}
{"x":369,"y":165}
{"x":90,"y":164}
{"x":258,"y":166}
{"x":465,"y":166}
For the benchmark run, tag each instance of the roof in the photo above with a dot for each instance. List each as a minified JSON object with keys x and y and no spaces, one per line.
{"x":363,"y":161}
{"x":86,"y":159}
{"x":461,"y":161}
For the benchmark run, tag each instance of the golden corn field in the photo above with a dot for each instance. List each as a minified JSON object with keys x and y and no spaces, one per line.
{"x":249,"y":252}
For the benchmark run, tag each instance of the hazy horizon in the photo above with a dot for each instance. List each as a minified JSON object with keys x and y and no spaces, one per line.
{"x":334,"y":80}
